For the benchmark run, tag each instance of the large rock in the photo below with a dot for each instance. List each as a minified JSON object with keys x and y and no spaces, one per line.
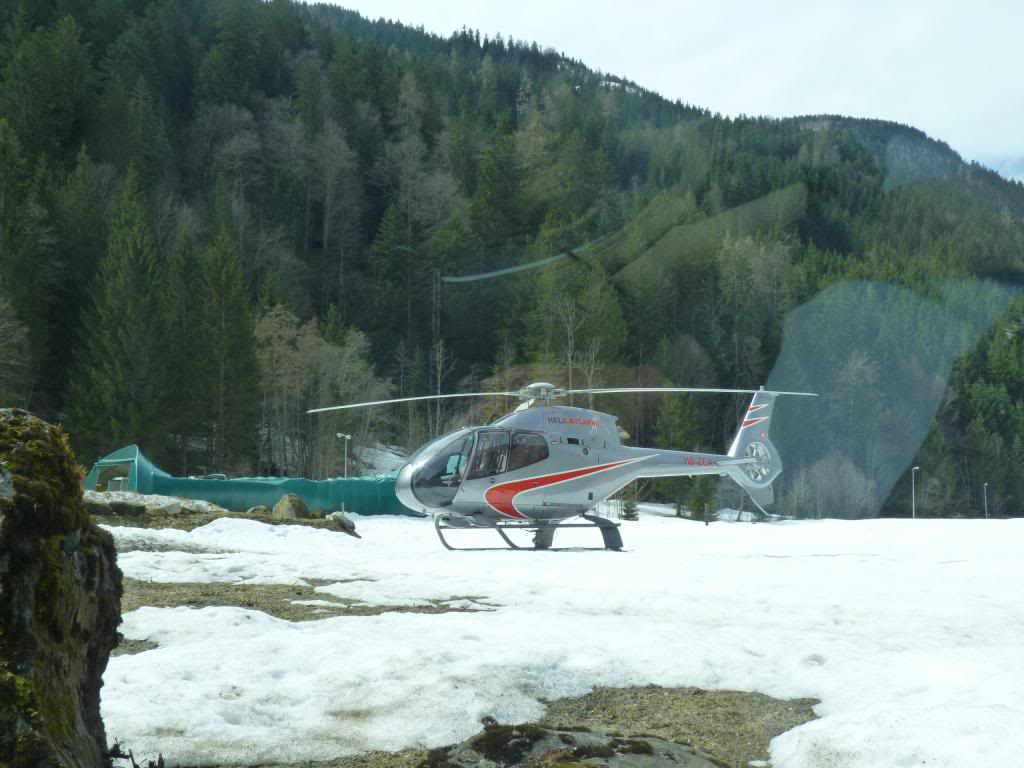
{"x":132,"y":504}
{"x":343,"y":523}
{"x":525,"y":746}
{"x":290,"y":507}
{"x":60,"y":603}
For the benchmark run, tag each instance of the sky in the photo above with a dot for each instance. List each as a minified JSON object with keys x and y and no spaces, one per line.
{"x":952,"y":69}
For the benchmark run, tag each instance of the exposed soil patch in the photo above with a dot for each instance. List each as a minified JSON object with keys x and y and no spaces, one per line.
{"x":142,"y":543}
{"x":407,"y":758}
{"x":187,"y":521}
{"x":735,"y":726}
{"x":285,"y":601}
{"x":130,"y":647}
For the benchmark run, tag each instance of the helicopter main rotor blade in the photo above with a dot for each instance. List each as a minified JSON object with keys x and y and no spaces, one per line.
{"x":619,"y":390}
{"x":412,"y":399}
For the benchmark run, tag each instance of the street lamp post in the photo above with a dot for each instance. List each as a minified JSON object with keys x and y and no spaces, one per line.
{"x":984,"y":489}
{"x":913,"y":492}
{"x":347,"y":438}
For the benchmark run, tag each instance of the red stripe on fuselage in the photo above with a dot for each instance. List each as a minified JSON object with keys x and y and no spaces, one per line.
{"x":502,"y":497}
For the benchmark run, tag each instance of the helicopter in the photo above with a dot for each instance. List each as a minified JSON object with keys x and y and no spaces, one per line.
{"x":539,"y":468}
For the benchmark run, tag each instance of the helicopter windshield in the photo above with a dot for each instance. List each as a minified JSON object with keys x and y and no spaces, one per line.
{"x":437,"y":481}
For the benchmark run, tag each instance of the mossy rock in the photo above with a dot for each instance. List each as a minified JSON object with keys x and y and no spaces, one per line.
{"x":291,"y":506}
{"x":46,"y":479}
{"x":533,"y":746}
{"x":60,"y":594}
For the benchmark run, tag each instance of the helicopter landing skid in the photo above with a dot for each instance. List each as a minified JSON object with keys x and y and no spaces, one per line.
{"x":543,"y":535}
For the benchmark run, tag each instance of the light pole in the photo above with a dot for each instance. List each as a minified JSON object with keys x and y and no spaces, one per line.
{"x":347,"y":438}
{"x":984,"y":489}
{"x":913,"y":492}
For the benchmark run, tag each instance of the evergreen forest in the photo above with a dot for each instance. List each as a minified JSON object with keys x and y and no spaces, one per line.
{"x":218,"y":214}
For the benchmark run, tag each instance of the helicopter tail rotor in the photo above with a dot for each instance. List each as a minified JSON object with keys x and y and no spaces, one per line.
{"x":756,"y":459}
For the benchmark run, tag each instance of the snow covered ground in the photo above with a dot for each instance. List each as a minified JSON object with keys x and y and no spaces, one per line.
{"x":910,"y":632}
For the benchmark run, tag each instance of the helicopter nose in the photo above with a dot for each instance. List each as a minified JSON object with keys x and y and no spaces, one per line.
{"x":403,"y":489}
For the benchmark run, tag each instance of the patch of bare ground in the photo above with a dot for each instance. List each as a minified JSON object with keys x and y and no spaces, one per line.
{"x":735,"y":726}
{"x":407,"y":758}
{"x":293,"y":602}
{"x":187,"y":521}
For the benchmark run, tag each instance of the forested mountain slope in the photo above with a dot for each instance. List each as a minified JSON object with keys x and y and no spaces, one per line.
{"x":215,"y":214}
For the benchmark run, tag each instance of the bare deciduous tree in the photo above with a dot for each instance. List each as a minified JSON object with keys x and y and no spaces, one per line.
{"x":299,"y":370}
{"x":570,"y":319}
{"x":336,"y":175}
{"x":591,"y":366}
{"x":442,"y":364}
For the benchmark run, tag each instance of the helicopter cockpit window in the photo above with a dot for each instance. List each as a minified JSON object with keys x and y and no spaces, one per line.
{"x":491,"y":455}
{"x":437,"y":481}
{"x":527,"y":448}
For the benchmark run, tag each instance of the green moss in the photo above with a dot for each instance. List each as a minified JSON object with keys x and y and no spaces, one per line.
{"x":53,"y":590}
{"x":57,"y":714}
{"x":506,"y":744}
{"x":19,"y":740}
{"x":46,"y":477}
{"x":594,"y":750}
{"x":18,"y":692}
{"x":632,"y":747}
{"x":436,"y":758}
{"x":47,"y":627}
{"x":559,"y":759}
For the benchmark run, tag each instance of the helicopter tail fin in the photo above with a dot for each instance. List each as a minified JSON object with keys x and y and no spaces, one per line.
{"x":757,"y":459}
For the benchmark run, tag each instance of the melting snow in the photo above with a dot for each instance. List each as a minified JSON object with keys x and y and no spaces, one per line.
{"x":908,"y":631}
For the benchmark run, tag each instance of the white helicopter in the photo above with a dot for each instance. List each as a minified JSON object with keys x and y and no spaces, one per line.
{"x":538,"y":468}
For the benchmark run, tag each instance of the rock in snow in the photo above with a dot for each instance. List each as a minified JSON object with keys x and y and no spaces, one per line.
{"x":132,"y":504}
{"x":343,"y":523}
{"x":291,"y":507}
{"x":60,"y":603}
{"x":512,"y":746}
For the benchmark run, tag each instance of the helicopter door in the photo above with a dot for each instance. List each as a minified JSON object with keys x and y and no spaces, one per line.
{"x":490,"y":457}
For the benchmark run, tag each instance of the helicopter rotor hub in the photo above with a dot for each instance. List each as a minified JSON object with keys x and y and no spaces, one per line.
{"x":542,"y":391}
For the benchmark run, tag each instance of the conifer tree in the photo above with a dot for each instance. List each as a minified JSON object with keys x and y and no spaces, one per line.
{"x":228,"y":364}
{"x":184,"y":392}
{"x":676,"y":429}
{"x":81,"y":228}
{"x":629,"y":503}
{"x":389,"y":258}
{"x":115,"y":390}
